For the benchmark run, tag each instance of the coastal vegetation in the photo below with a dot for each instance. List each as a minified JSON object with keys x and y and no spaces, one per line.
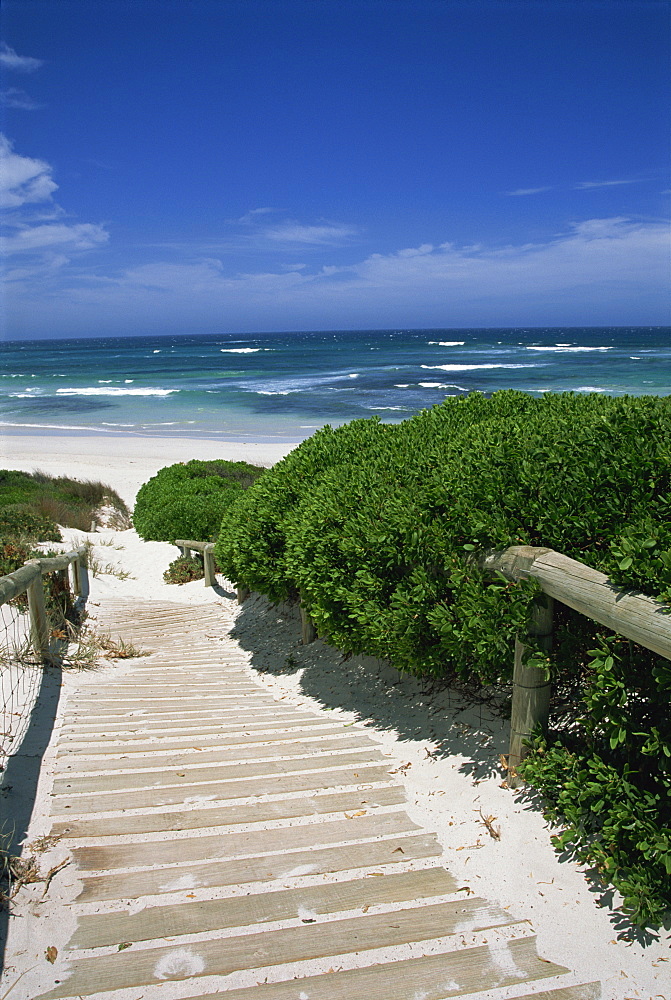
{"x":189,"y":499}
{"x":375,"y":529}
{"x":35,"y":503}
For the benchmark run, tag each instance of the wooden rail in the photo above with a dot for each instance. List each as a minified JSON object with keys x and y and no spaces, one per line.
{"x":29,"y":579}
{"x":627,"y":612}
{"x":207,"y":548}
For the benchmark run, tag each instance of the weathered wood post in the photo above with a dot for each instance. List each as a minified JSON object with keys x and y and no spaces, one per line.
{"x":531,"y":687}
{"x":243,"y":594}
{"x":208,"y":565}
{"x":39,"y":623}
{"x":185,"y":550}
{"x":80,"y":576}
{"x":309,"y":633}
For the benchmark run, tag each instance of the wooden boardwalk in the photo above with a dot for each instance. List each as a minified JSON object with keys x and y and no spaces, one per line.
{"x":230,"y":843}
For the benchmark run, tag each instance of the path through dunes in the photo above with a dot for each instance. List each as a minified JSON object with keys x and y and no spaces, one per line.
{"x":226,"y":842}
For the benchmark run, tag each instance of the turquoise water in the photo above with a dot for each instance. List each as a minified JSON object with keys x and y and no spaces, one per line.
{"x":282,"y":386}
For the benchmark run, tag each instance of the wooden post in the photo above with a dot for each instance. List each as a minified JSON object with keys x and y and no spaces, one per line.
{"x":185,"y":550}
{"x":39,"y":623}
{"x":308,"y":629}
{"x":81,"y":576}
{"x":531,"y":688}
{"x":94,"y":526}
{"x":208,"y":566}
{"x":75,"y":583}
{"x":243,"y":594}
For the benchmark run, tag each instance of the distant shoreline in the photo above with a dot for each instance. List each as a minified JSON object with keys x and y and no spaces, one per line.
{"x":124,"y":462}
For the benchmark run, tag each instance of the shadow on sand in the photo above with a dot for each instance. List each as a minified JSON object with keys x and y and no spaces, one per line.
{"x":20,"y":779}
{"x":415,"y":709}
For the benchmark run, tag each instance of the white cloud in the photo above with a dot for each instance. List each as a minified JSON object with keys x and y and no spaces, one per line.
{"x":12,"y":60}
{"x":524,"y":191}
{"x":14,"y":97}
{"x":253,"y":214}
{"x":78,"y":237}
{"x":586,"y":185}
{"x":599,"y":272}
{"x":326,"y":234}
{"x":22,"y":179}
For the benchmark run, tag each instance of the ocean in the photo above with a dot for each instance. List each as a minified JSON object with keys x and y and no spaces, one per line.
{"x":283,"y":386}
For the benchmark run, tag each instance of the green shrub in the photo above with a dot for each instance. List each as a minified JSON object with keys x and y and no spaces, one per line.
{"x":374,"y":527}
{"x":21,"y":520}
{"x":188,"y":500}
{"x":70,"y":502}
{"x":184,"y":569}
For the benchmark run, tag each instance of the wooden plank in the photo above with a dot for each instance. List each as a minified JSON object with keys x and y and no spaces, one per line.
{"x":236,"y":845}
{"x":377,"y":855}
{"x":222,"y":957}
{"x":188,"y":699}
{"x":586,"y":991}
{"x":177,"y":776}
{"x":191,"y":791}
{"x":229,"y":815}
{"x":306,"y":903}
{"x":262,"y":708}
{"x":435,"y":977}
{"x":296,"y":746}
{"x":131,"y":733}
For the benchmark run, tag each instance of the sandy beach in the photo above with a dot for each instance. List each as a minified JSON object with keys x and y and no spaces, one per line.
{"x":446,"y":752}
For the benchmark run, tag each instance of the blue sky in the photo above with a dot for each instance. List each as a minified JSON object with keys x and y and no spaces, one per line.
{"x":216,"y":165}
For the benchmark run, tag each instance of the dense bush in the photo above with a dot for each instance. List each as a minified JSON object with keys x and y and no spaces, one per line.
{"x":374,"y":527}
{"x":18,"y":520}
{"x":70,"y":502}
{"x":188,"y":500}
{"x":184,"y":569}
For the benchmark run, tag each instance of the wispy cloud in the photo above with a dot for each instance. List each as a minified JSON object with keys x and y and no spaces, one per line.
{"x":12,"y":60}
{"x":254,"y":213}
{"x":598,"y":271}
{"x":22,"y":178}
{"x":14,"y":97}
{"x":524,"y":191}
{"x":586,"y":185}
{"x":37,"y":232}
{"x":325,"y":234}
{"x":84,"y":236}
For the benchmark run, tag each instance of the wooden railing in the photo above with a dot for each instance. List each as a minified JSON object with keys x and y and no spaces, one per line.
{"x":29,"y":579}
{"x":627,"y":612}
{"x":207,"y":548}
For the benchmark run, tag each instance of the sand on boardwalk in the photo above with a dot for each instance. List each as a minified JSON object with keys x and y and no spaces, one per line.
{"x":446,"y":753}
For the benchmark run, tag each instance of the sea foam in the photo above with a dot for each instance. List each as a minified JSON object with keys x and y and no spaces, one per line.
{"x":113,"y":391}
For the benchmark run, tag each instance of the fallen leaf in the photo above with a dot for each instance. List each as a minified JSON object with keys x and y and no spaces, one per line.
{"x":51,"y":954}
{"x":124,"y":945}
{"x":398,"y":849}
{"x":362,"y":812}
{"x":366,"y":908}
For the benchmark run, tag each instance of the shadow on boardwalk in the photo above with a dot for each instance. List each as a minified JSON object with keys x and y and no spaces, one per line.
{"x":20,"y":779}
{"x":414,"y":708}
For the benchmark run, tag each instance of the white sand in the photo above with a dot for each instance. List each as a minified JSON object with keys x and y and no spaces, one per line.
{"x":123,"y":461}
{"x":447,"y":753}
